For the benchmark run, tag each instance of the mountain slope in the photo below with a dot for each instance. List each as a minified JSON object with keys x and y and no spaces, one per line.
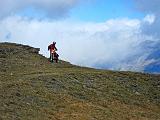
{"x":33,"y":88}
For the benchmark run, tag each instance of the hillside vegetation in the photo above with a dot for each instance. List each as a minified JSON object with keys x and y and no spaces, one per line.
{"x":32,"y":88}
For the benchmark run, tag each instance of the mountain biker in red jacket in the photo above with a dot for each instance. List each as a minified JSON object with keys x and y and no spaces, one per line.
{"x":53,"y":49}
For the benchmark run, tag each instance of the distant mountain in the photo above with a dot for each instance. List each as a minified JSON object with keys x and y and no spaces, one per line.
{"x":154,"y":56}
{"x":153,"y":67}
{"x":147,"y":59}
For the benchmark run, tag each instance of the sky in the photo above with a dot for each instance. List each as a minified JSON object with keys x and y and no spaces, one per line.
{"x":108,"y":34}
{"x":102,"y":10}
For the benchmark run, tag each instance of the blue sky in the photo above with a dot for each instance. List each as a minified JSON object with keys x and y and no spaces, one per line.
{"x":102,"y":10}
{"x":95,"y":11}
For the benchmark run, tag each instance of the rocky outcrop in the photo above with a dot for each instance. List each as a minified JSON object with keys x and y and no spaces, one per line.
{"x":7,"y":48}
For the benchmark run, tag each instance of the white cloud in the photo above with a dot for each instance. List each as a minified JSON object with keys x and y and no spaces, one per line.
{"x":150,"y":19}
{"x":91,"y":44}
{"x":150,"y":7}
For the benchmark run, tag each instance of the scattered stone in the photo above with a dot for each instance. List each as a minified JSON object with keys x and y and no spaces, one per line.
{"x":18,"y":94}
{"x":137,"y":93}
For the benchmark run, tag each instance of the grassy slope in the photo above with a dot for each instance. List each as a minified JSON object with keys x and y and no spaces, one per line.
{"x":33,"y":88}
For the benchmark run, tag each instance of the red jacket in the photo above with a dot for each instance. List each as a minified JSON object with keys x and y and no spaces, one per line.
{"x":51,"y":47}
